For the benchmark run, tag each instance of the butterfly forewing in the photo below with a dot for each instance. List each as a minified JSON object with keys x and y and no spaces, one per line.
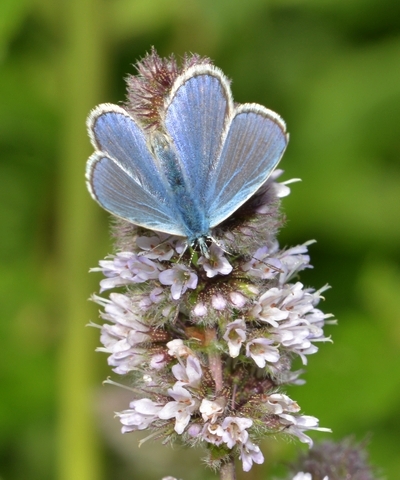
{"x":196,"y":114}
{"x":114,"y":132}
{"x":123,"y":176}
{"x":254,"y":144}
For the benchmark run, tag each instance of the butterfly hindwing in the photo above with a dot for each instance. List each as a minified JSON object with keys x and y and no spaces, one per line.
{"x":255,"y":141}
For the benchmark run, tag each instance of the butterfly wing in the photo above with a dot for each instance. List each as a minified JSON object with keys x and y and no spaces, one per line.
{"x":254,"y":143}
{"x":196,"y":114}
{"x":123,"y":176}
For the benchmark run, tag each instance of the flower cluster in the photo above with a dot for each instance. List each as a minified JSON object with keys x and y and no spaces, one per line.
{"x":210,"y":339}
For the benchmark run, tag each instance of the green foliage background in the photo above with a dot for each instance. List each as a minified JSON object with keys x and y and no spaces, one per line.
{"x":331,"y":68}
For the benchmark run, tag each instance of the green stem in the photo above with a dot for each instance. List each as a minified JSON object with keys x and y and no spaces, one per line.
{"x":81,"y":87}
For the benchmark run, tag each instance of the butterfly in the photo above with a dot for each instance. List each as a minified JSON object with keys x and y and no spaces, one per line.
{"x":207,"y":159}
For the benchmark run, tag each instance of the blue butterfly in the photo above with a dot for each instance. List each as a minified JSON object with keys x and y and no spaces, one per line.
{"x":210,"y":157}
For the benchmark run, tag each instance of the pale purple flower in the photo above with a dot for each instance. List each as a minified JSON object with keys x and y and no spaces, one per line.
{"x":216,"y":263}
{"x":189,"y":375}
{"x":235,"y":430}
{"x":195,"y":429}
{"x":179,"y":244}
{"x":212,"y":409}
{"x":116,"y":270}
{"x":261,"y":265}
{"x":282,"y":189}
{"x":218,"y":302}
{"x":297,"y":300}
{"x":127,"y":360}
{"x":143,"y":269}
{"x":303,"y":476}
{"x":250,"y":453}
{"x":300,"y":322}
{"x":266,"y":308}
{"x":235,"y":335}
{"x":278,"y":403}
{"x":119,"y":309}
{"x":121,"y":338}
{"x":180,"y":278}
{"x":277,"y":189}
{"x":212,"y":433}
{"x":306,"y":476}
{"x":261,"y":351}
{"x":126,"y":268}
{"x":158,"y":361}
{"x":304,"y":322}
{"x":140,"y":415}
{"x":156,"y":247}
{"x":295,"y":337}
{"x":237,"y":299}
{"x":118,"y":338}
{"x":181,"y":408}
{"x":296,"y":425}
{"x":286,"y":377}
{"x":293,"y":260}
{"x":199,"y":310}
{"x":176,"y":348}
{"x":157,"y":295}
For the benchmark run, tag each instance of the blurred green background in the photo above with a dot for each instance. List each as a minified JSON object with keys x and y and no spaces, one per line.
{"x":331,"y":68}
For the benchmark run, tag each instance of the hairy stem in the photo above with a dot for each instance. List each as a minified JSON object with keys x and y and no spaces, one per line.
{"x":215,"y":363}
{"x":216,"y":371}
{"x":228,"y":470}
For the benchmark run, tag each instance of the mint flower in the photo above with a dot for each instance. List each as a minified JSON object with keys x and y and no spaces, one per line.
{"x":157,"y":247}
{"x":189,"y":375}
{"x":211,"y":409}
{"x":180,"y":278}
{"x":261,"y":265}
{"x":250,"y":453}
{"x":181,"y":408}
{"x":215,"y":263}
{"x":140,"y":415}
{"x":212,"y":433}
{"x":235,"y":335}
{"x":261,"y":351}
{"x":235,"y":430}
{"x":297,"y":425}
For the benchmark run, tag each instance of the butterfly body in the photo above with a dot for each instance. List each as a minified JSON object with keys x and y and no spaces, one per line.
{"x":192,"y":216}
{"x":207,"y":158}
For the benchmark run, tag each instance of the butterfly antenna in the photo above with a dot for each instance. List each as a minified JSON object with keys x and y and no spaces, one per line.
{"x":219,"y":244}
{"x":269,"y":265}
{"x":143,"y":252}
{"x":191,"y":256}
{"x":183,"y":253}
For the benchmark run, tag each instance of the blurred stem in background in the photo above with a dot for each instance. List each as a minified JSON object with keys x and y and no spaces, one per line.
{"x":83,"y":72}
